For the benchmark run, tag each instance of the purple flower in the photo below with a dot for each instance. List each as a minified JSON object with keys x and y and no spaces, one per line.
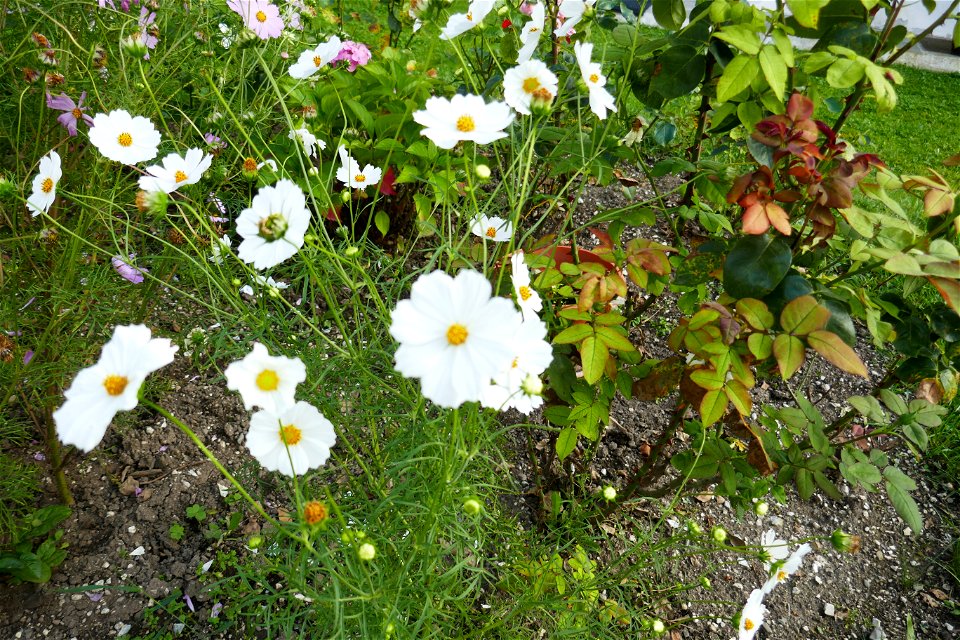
{"x":127,"y":271}
{"x":214,"y":143}
{"x":189,"y":602}
{"x":27,"y":357}
{"x":72,"y":111}
{"x":215,"y":611}
{"x":38,"y":456}
{"x":356,"y":53}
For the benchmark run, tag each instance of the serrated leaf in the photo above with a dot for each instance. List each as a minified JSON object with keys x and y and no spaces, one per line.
{"x":756,"y":313}
{"x":593,"y":357}
{"x":818,"y":60}
{"x":844,"y":73}
{"x":818,"y":439}
{"x":573,"y":334}
{"x":837,"y":352}
{"x":804,"y":483}
{"x":784,"y":46}
{"x":712,"y":407}
{"x":905,"y":264}
{"x":737,"y":76}
{"x":905,"y":506}
{"x":899,"y":478}
{"x":826,"y":486}
{"x":707,"y":379}
{"x":803,"y":315}
{"x":917,"y":435}
{"x":789,"y":352}
{"x":894,"y":402}
{"x":566,"y":442}
{"x":739,"y":396}
{"x":774,"y":69}
{"x":864,"y":473}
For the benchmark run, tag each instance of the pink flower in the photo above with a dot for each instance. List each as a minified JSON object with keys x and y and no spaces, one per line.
{"x":127,"y":271}
{"x":148,"y":36}
{"x":260,"y":16}
{"x":356,"y":53}
{"x":72,"y":111}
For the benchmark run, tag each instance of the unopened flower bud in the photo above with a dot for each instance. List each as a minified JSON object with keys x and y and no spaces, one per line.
{"x":345,"y":196}
{"x":411,"y":66}
{"x":694,"y":528}
{"x":7,"y":188}
{"x":351,"y":251}
{"x":134,"y":46}
{"x":532,"y":385}
{"x":255,"y":542}
{"x":609,"y":494}
{"x":153,"y":202}
{"x":719,"y":534}
{"x":541,"y":101}
{"x":313,"y":171}
{"x":761,"y":508}
{"x":705,"y":582}
{"x":658,"y":627}
{"x":482,"y":171}
{"x":844,"y":542}
{"x":366,"y":552}
{"x":471,"y":506}
{"x":236,"y":282}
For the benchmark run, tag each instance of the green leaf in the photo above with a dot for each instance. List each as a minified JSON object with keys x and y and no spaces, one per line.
{"x":899,"y":478}
{"x":382,"y":222}
{"x":869,"y":407}
{"x":614,"y":339}
{"x":756,"y":313}
{"x":844,"y":73}
{"x":837,"y":352}
{"x":789,"y":352}
{"x":903,"y":263}
{"x":760,"y":345}
{"x":803,"y":315}
{"x":593,"y":356}
{"x":361,"y":112}
{"x":886,"y":94}
{"x":826,"y":486}
{"x":804,"y":483}
{"x":741,"y":36}
{"x":669,"y":14}
{"x":750,"y":114}
{"x":739,"y":395}
{"x":774,"y":69}
{"x":707,"y":379}
{"x":917,"y":435}
{"x":566,"y":442}
{"x":784,"y":46}
{"x":737,"y":77}
{"x":807,"y":12}
{"x":573,"y":334}
{"x":905,"y":506}
{"x":679,"y":70}
{"x":864,"y":473}
{"x":894,"y":402}
{"x":712,"y":407}
{"x":755,"y":266}
{"x":818,"y":439}
{"x":818,"y":60}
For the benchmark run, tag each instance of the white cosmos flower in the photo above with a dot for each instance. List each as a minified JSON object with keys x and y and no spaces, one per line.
{"x":787,"y":569}
{"x":463,"y":117}
{"x":274,"y":225}
{"x":272,"y":286}
{"x":298,"y":434}
{"x":124,"y":138}
{"x":45,"y":184}
{"x":527,"y":299}
{"x":572,"y":11}
{"x":312,"y":145}
{"x":522,"y":81}
{"x":600,"y":98}
{"x":218,"y":248}
{"x":752,"y":615}
{"x":111,"y":385}
{"x":453,"y":336}
{"x":774,"y":549}
{"x":463,"y":22}
{"x":312,"y":60}
{"x":352,"y":175}
{"x":532,"y":354}
{"x":176,"y":171}
{"x":265,"y":381}
{"x":492,"y":228}
{"x":531,"y":32}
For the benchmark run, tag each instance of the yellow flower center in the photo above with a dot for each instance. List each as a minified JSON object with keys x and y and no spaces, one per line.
{"x":268,"y":380}
{"x":359,"y":178}
{"x":748,"y":624}
{"x":594,"y":78}
{"x":317,"y":61}
{"x":47,"y":185}
{"x":179,"y":176}
{"x":125,"y":139}
{"x":525,"y":293}
{"x":261,"y":16}
{"x":290,"y":435}
{"x":249,"y":165}
{"x":515,"y":364}
{"x":531,"y":84}
{"x":782,"y":575}
{"x":470,"y":16}
{"x":76,"y":113}
{"x":314,"y":512}
{"x":466,"y":124}
{"x":491,"y":232}
{"x":457,"y":334}
{"x":115,"y":384}
{"x":534,"y":29}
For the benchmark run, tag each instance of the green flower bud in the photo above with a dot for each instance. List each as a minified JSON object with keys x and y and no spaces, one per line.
{"x":844,"y":542}
{"x":761,"y":508}
{"x":658,"y":627}
{"x":472,"y":506}
{"x":609,"y":494}
{"x":366,"y":552}
{"x":719,"y":535}
{"x":254,"y":542}
{"x":482,"y":171}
